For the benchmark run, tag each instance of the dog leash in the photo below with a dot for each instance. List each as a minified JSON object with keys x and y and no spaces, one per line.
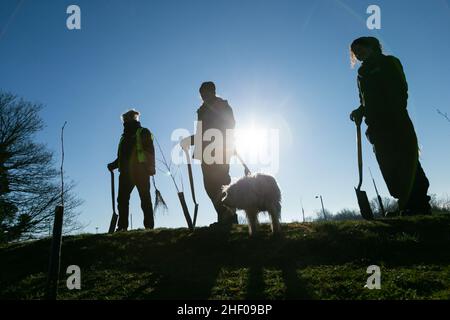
{"x":246,"y":169}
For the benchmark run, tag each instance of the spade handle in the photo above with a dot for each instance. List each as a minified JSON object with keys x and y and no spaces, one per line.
{"x":360,"y":160}
{"x":113,"y":193}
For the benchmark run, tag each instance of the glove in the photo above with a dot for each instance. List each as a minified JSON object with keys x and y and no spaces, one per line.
{"x":357,"y":116}
{"x":111,"y":166}
{"x":186,"y":143}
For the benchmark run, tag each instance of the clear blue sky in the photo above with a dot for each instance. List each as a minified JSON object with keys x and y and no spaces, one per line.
{"x":281,"y":64}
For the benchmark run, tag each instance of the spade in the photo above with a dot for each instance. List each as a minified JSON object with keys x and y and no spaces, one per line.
{"x":113,"y":223}
{"x":363,"y":201}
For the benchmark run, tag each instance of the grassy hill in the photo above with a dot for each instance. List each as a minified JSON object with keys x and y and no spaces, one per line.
{"x":324,"y":260}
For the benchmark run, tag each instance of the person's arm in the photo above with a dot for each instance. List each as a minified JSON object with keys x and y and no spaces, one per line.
{"x":147,"y":139}
{"x":229,"y":124}
{"x":185,"y":143}
{"x":229,"y":120}
{"x":113,"y":165}
{"x":358,"y":114}
{"x":149,"y":147}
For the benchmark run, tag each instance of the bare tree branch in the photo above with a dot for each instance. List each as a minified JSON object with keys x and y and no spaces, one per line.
{"x":443,"y":114}
{"x":29,"y":188}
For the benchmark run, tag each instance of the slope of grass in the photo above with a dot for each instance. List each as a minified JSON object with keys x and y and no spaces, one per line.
{"x":325,"y":260}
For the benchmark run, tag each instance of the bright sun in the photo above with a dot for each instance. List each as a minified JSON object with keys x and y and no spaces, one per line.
{"x":251,"y":141}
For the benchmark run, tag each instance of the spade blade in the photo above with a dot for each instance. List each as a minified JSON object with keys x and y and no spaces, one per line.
{"x":364,"y":205}
{"x":113,"y":223}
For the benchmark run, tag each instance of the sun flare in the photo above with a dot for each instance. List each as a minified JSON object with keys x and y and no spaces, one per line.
{"x":251,"y":141}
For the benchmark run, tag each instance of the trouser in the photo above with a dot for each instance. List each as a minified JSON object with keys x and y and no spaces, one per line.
{"x":215,"y":176}
{"x":127,"y":182}
{"x":398,"y":158}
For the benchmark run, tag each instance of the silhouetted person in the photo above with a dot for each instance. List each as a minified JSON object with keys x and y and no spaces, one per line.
{"x":136,"y":163}
{"x":383,"y":93}
{"x":214,"y":116}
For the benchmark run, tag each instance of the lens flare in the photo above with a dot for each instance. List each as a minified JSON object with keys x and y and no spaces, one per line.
{"x":251,"y":142}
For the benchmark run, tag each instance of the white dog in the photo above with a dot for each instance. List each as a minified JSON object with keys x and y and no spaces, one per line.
{"x":254,"y":194}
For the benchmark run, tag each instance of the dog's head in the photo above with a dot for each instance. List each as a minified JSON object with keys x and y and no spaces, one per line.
{"x":228,"y":196}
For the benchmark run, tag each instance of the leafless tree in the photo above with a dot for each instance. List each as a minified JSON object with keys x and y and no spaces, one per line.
{"x":29,"y":188}
{"x":320,"y":215}
{"x":346,"y":214}
{"x":389,"y":204}
{"x":440,"y":204}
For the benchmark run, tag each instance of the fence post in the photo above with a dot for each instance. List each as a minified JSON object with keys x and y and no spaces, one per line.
{"x":55,"y":255}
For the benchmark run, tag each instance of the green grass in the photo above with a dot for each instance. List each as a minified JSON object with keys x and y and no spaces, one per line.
{"x":324,"y":260}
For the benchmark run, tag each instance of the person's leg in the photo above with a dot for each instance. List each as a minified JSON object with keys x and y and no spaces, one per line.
{"x":214,"y":178}
{"x":397,"y":157}
{"x":143,"y":186}
{"x":386,"y":158}
{"x":413,"y":198}
{"x":211,"y":186}
{"x":419,"y":201}
{"x":125,"y":188}
{"x":228,"y":215}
